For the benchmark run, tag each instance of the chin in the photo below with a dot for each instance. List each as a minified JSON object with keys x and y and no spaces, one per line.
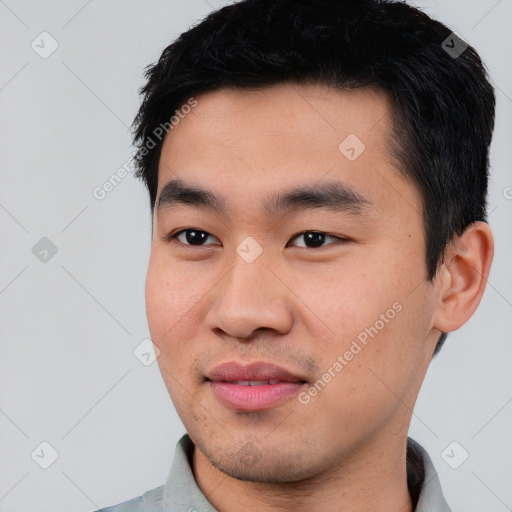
{"x":249,"y":464}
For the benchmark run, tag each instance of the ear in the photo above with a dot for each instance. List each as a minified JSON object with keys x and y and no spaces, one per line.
{"x":462,"y":277}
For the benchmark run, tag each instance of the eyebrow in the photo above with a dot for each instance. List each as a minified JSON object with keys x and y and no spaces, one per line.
{"x":330,"y":195}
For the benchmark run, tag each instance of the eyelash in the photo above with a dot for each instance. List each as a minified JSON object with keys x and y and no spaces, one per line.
{"x":173,"y":238}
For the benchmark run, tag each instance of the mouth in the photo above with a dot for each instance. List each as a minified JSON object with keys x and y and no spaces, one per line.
{"x":255,"y":382}
{"x":254,"y":387}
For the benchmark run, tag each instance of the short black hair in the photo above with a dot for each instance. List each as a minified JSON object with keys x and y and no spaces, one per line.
{"x":443,"y":102}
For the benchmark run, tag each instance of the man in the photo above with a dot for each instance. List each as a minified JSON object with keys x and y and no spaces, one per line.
{"x":319,"y":202}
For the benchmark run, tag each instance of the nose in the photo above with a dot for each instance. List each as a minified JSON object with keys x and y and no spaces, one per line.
{"x":251,"y":296}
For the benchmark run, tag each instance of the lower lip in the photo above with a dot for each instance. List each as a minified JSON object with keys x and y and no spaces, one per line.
{"x":254,"y":398}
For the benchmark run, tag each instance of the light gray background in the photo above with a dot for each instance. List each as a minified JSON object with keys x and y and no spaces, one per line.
{"x":68,"y":375}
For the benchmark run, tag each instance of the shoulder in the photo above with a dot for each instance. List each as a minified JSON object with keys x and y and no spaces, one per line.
{"x":150,"y":501}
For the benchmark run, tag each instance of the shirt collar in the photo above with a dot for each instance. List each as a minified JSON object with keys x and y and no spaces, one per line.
{"x":431,"y":497}
{"x":181,"y":493}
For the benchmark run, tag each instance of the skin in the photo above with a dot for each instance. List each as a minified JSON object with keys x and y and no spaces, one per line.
{"x":297,"y":306}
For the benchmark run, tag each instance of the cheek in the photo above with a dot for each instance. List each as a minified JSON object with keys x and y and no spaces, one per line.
{"x":387,"y":354}
{"x":376,"y":371}
{"x":172,"y":306}
{"x":171,"y":295}
{"x":378,"y":321}
{"x":344,"y":301}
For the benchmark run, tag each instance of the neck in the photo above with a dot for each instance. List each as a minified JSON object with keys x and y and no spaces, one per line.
{"x":372,"y":477}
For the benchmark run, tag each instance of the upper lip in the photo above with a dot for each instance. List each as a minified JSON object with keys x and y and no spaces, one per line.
{"x":259,"y":370}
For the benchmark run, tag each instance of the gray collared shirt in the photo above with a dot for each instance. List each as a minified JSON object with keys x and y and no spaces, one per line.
{"x":181,"y":493}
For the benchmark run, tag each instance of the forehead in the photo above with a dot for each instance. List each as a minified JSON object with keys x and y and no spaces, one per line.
{"x":314,"y":110}
{"x":246,"y":142}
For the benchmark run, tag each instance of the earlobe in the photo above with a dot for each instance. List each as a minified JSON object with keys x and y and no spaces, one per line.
{"x":462,"y":277}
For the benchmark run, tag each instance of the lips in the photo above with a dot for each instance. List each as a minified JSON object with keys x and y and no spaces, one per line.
{"x":254,"y":387}
{"x":257,"y":371}
{"x":255,"y":382}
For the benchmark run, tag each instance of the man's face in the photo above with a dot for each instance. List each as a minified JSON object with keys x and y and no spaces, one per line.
{"x":335,"y":296}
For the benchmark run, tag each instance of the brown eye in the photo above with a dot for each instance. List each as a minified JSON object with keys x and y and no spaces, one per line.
{"x":190,"y":236}
{"x":315,"y":239}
